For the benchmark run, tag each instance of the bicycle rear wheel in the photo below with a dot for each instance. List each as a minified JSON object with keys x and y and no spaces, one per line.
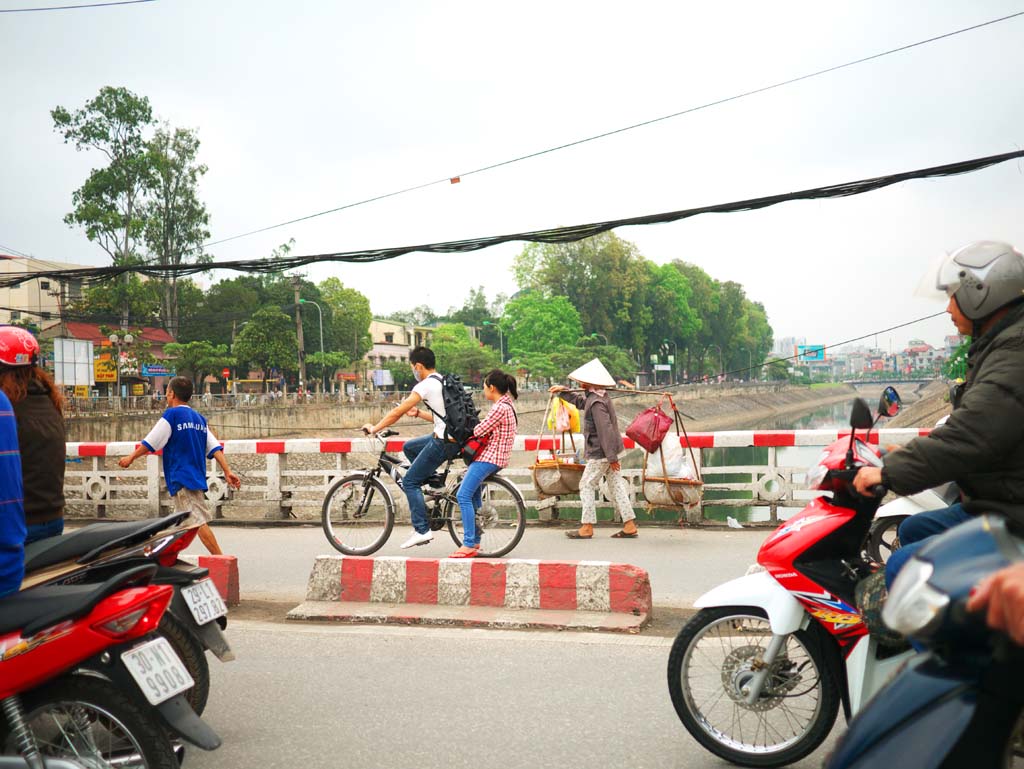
{"x":500,"y":521}
{"x":358,"y":515}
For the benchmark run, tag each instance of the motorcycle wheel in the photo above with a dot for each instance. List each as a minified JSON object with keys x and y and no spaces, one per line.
{"x":883,"y":537}
{"x":712,"y":660}
{"x":89,"y":720}
{"x":193,"y":655}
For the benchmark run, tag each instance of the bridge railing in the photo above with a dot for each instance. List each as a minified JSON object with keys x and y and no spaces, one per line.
{"x":288,"y":478}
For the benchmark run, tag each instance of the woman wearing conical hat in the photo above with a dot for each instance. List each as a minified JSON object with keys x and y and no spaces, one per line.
{"x":603,"y":447}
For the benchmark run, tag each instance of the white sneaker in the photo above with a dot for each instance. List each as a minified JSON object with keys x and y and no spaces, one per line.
{"x":418,"y":539}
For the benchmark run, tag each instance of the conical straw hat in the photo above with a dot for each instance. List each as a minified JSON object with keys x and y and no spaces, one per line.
{"x":593,"y":373}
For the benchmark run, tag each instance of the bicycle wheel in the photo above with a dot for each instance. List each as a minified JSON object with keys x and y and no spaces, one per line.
{"x":358,"y":515}
{"x":500,"y":521}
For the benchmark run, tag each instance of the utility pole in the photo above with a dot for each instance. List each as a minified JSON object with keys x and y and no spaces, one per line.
{"x":296,"y":283}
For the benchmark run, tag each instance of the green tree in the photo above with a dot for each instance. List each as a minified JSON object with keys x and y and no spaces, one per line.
{"x":199,"y":359}
{"x":534,"y":323}
{"x":776,"y":370}
{"x":704,"y":301}
{"x":124,"y":301}
{"x":322,"y":365}
{"x":109,"y":205}
{"x":176,"y":220}
{"x":268,"y":341}
{"x":347,"y":318}
{"x":458,"y":353}
{"x":402,"y":374}
{"x":669,"y":298}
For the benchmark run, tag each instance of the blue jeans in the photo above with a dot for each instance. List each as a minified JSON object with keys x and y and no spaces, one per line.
{"x":468,"y":496}
{"x":915,"y":531}
{"x":426,"y":453}
{"x":37,"y":531}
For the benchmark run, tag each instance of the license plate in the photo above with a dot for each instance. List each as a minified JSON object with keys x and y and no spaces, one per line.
{"x":204,"y":601}
{"x":157,"y":670}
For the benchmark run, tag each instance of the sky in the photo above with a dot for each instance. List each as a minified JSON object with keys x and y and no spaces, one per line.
{"x":305,"y":106}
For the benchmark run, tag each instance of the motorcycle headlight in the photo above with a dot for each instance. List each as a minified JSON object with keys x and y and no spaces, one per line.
{"x":914,"y":606}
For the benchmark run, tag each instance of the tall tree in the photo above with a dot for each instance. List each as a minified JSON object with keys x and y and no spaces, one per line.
{"x":534,"y":323}
{"x":175,"y":218}
{"x":199,"y":359}
{"x":268,"y":341}
{"x":347,"y":318}
{"x":458,"y":353}
{"x":109,"y":204}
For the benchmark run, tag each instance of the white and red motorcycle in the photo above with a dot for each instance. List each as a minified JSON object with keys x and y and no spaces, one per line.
{"x":758,"y":675}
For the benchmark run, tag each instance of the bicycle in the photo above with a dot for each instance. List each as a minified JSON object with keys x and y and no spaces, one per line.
{"x":359,"y":512}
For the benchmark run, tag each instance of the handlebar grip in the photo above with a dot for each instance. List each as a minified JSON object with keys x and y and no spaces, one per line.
{"x":365,"y":431}
{"x":878,"y":490}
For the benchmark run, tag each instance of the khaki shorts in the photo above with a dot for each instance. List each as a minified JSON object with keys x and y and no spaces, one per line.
{"x":193,"y":501}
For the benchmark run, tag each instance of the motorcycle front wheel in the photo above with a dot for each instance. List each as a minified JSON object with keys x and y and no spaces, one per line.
{"x":712,"y":662}
{"x":90,"y":721}
{"x":884,"y":538}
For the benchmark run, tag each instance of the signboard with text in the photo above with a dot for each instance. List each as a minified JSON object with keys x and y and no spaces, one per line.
{"x":104,"y":369}
{"x":810,"y":352}
{"x":156,"y":369}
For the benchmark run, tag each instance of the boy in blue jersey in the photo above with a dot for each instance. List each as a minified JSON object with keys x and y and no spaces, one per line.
{"x":12,"y":510}
{"x":187,"y":443}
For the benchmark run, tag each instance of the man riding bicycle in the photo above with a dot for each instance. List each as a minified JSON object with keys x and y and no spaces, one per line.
{"x":427,"y":452}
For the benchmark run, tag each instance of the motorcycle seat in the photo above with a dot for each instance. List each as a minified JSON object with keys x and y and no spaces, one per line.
{"x":53,"y":550}
{"x":42,"y":607}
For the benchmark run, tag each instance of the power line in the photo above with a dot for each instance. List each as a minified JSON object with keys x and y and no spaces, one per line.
{"x":577,"y":142}
{"x":74,"y":7}
{"x":556,"y":235}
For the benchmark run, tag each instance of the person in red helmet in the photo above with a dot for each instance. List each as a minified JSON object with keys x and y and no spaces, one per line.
{"x":38,"y":408}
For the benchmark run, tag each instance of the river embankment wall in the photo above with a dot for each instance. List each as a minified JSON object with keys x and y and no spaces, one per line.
{"x":707,"y":408}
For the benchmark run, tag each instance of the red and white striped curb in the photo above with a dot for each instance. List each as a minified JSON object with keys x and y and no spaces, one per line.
{"x":223,"y":571}
{"x":594,"y":586}
{"x":715,"y":440}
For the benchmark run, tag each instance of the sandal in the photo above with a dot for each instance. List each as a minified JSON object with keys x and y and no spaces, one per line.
{"x":463,"y":554}
{"x":624,"y":535}
{"x":577,"y":535}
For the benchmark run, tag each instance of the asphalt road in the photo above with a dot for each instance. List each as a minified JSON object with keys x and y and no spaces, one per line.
{"x":316,"y":697}
{"x":274,"y":563}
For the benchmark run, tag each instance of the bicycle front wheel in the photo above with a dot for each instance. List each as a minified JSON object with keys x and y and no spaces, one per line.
{"x":500,"y":520}
{"x":358,"y":515}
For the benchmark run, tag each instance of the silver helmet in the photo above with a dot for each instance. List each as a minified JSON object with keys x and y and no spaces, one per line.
{"x":983,"y":276}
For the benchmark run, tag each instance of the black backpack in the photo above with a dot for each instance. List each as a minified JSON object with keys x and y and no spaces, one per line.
{"x":461,"y":414}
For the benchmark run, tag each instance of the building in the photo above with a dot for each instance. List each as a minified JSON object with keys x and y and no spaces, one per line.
{"x":39,"y":299}
{"x":135,"y":379}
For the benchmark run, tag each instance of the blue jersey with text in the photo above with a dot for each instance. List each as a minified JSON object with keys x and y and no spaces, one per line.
{"x":187,"y":443}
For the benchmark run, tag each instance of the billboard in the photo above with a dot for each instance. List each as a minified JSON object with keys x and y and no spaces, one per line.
{"x":104,"y":369}
{"x":72,"y":362}
{"x":806,"y":353}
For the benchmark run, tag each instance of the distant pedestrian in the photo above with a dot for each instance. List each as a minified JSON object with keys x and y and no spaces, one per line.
{"x":603,"y":446}
{"x":187,"y":443}
{"x":499,"y":427}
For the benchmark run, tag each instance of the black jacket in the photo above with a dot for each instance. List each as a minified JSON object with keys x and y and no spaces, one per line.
{"x":981,"y":445}
{"x":41,"y":439}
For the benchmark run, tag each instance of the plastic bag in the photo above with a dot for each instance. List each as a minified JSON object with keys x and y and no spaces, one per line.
{"x":564,"y":417}
{"x":649,"y":428}
{"x":677,"y":464}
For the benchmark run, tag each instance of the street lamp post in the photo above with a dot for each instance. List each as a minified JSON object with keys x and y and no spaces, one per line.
{"x":124,"y":340}
{"x":323,"y":363}
{"x":501,"y":340}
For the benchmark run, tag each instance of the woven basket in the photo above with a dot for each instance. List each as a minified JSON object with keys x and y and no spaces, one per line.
{"x":673,"y":492}
{"x":554,"y":476}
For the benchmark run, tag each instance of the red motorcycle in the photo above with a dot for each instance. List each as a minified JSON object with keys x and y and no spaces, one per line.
{"x":85,"y":678}
{"x":757,"y":676}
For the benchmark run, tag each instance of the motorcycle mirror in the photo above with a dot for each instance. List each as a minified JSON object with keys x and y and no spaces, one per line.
{"x":860,"y":415}
{"x":890,"y":402}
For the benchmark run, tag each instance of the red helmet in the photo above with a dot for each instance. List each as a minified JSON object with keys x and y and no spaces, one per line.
{"x":17,"y":347}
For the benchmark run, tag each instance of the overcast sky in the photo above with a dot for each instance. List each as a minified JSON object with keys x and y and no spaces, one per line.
{"x":305,"y":106}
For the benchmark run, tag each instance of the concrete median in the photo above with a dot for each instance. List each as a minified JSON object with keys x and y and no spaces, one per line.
{"x":512,"y":593}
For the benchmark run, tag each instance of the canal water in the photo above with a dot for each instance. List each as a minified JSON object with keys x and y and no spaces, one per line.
{"x":835,"y":416}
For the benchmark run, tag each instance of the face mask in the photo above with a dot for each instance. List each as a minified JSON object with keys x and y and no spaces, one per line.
{"x":416,"y":373}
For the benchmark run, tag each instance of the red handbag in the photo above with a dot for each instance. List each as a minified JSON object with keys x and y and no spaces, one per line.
{"x":649,"y":428}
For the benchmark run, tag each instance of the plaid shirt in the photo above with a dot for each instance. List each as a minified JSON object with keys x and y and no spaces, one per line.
{"x":500,"y":423}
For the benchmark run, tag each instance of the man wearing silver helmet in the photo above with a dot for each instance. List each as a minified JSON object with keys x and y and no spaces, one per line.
{"x":981,"y":445}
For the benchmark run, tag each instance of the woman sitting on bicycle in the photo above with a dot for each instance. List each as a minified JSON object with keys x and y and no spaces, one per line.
{"x":499,"y":427}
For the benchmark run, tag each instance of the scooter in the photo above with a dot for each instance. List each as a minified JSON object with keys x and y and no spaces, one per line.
{"x":84,"y":677}
{"x":958,"y":704}
{"x":195,"y":620}
{"x":757,"y":676}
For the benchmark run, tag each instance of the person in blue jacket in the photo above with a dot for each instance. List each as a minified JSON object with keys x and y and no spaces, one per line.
{"x":12,"y":506}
